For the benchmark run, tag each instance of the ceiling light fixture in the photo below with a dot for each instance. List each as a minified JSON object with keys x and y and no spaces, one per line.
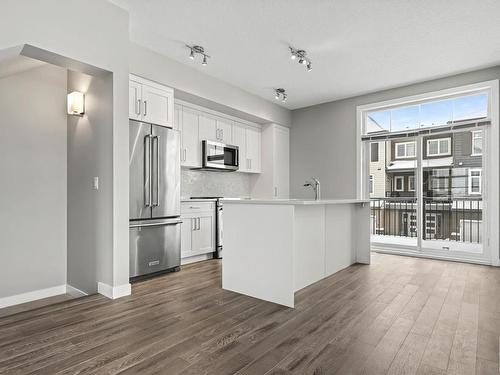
{"x":198,"y":50}
{"x":280,"y":94}
{"x":302,"y":56}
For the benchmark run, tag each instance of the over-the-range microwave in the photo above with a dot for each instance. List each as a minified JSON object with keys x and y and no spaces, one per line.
{"x":218,"y":156}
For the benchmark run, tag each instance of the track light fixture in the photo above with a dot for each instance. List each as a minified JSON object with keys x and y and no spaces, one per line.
{"x":280,"y":94}
{"x":302,"y":56}
{"x":194,"y":50}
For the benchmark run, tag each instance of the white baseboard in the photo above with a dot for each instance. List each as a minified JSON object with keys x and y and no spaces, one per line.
{"x":196,"y":258}
{"x":114,"y":292}
{"x":32,"y":296}
{"x":74,"y":292}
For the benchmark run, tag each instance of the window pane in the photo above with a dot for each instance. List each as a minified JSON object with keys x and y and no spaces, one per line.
{"x":410,"y":149}
{"x":433,"y":148}
{"x":443,"y":146}
{"x":477,"y":142}
{"x":400,"y":150}
{"x":378,"y":122}
{"x":470,"y":107}
{"x":405,"y":118}
{"x":374,"y":152}
{"x":436,"y":113}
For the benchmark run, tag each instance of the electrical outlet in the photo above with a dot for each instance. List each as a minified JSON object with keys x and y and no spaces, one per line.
{"x":95,"y":183}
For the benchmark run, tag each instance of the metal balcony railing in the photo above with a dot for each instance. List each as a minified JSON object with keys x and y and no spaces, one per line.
{"x":443,"y":218}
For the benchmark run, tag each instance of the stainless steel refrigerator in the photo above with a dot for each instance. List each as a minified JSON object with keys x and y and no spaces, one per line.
{"x":155,"y":225}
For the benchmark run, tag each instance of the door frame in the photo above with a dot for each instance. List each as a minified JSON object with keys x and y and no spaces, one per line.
{"x":491,"y":242}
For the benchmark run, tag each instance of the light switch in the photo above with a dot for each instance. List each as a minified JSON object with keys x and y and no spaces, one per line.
{"x":95,"y":184}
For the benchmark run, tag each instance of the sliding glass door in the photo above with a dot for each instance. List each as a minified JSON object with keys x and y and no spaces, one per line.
{"x":425,"y":171}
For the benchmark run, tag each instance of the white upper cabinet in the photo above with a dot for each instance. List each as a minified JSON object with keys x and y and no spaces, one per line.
{"x":191,"y":145}
{"x":196,"y":125}
{"x":208,"y":128}
{"x":134,"y":100}
{"x":213,"y":128}
{"x":224,"y":131}
{"x":240,"y":139}
{"x":253,"y":144}
{"x":274,"y":179}
{"x":151,"y":102}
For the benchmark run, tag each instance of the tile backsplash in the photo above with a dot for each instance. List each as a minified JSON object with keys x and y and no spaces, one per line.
{"x":225,"y":184}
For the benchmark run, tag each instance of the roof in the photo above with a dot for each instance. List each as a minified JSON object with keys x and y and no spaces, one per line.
{"x":397,"y":165}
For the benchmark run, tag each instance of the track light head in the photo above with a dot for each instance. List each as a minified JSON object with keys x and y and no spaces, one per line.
{"x":280,"y":94}
{"x":293,"y":56}
{"x":309,"y":66}
{"x":197,"y":50}
{"x":301,"y":61}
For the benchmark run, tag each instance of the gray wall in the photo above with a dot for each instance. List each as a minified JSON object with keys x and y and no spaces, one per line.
{"x":33,"y":180}
{"x":90,"y":221}
{"x":323,"y":137}
{"x":223,"y":184}
{"x":198,"y":88}
{"x":103,"y":42}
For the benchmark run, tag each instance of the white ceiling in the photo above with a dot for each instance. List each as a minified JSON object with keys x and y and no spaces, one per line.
{"x":357,"y":46}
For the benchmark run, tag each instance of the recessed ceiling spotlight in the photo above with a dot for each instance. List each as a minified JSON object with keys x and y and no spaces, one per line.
{"x":198,"y":50}
{"x":280,"y":94}
{"x":302,"y":56}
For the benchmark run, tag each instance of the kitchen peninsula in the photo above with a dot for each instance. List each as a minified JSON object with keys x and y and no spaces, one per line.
{"x":273,"y":248}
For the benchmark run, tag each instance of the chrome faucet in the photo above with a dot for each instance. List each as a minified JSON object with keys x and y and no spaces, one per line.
{"x":314,"y":183}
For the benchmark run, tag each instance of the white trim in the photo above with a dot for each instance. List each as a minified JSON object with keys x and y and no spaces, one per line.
{"x":469,"y":181}
{"x":75,"y":292}
{"x":430,"y":255}
{"x":396,"y":178}
{"x":217,"y":114}
{"x":196,"y":258}
{"x":32,"y":296}
{"x":438,"y":140}
{"x":406,"y":156}
{"x":114,"y":292}
{"x":474,"y":132}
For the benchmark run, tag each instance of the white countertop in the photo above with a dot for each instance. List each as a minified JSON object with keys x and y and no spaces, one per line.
{"x":294,"y":201}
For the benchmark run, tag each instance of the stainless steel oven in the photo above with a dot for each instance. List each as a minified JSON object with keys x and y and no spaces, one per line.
{"x":219,"y":156}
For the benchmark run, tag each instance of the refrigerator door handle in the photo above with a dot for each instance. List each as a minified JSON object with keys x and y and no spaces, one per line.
{"x":147,"y":171}
{"x":157,"y":138}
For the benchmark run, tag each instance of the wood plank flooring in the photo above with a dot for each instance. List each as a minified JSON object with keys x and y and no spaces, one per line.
{"x":399,"y":315}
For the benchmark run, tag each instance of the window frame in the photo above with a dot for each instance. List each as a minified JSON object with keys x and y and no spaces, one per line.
{"x":438,"y":140}
{"x":469,"y":182}
{"x":491,"y":160}
{"x":474,"y":132}
{"x":395,"y":187}
{"x":406,"y":150}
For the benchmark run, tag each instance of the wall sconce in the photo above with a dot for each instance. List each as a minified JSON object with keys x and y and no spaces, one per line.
{"x":76,"y":103}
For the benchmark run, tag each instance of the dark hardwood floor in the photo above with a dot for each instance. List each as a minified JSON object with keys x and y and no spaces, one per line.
{"x":397,"y":316}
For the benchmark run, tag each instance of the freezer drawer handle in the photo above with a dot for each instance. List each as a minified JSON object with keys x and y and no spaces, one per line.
{"x":173,"y":222}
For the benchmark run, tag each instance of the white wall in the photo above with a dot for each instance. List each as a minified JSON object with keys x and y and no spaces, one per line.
{"x":323,"y":137}
{"x":90,"y":224}
{"x":33,"y":180}
{"x":94,"y":32}
{"x":198,"y":88}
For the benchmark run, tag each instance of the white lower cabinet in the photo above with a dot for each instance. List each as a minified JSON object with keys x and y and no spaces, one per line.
{"x":198,"y":228}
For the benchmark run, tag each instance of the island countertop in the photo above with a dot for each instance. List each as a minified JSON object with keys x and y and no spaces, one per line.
{"x":294,"y":201}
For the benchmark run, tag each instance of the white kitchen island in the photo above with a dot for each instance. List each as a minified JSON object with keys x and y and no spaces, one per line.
{"x":273,"y":248}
